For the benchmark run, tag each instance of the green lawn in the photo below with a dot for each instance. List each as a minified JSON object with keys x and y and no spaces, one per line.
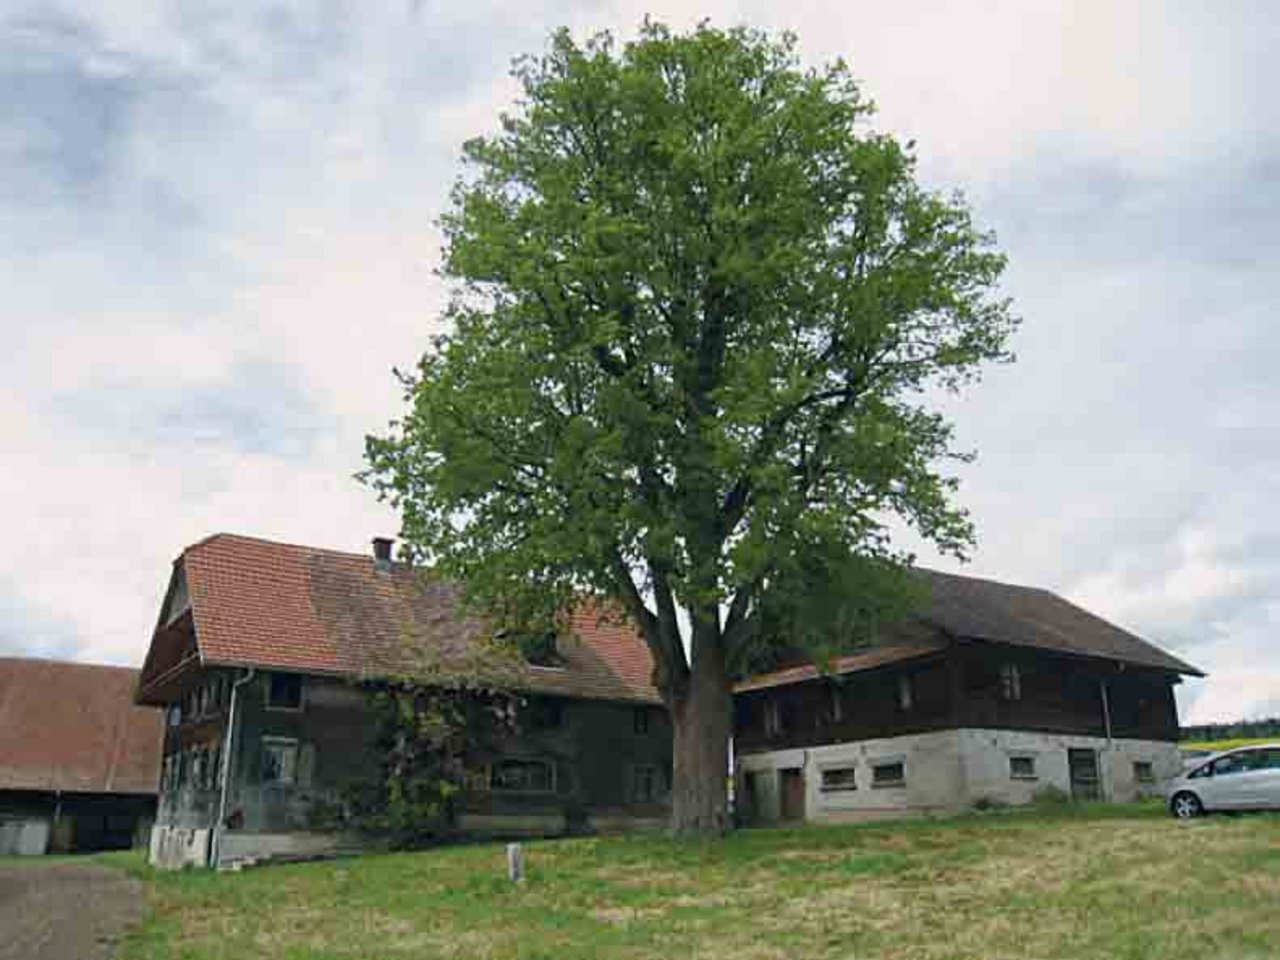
{"x":1105,"y":882}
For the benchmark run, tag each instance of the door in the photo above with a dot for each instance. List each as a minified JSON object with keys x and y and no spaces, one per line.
{"x":791,"y":792}
{"x":1268,"y":772}
{"x":1227,"y":786}
{"x":1083,"y":768}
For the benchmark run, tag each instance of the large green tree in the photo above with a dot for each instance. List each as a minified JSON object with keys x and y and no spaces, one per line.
{"x":700,"y":306}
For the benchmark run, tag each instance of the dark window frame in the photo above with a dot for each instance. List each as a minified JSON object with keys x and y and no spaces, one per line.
{"x":1028,"y":762}
{"x":838,"y":779}
{"x":883,"y":781}
{"x":495,"y":777}
{"x":270,"y":702}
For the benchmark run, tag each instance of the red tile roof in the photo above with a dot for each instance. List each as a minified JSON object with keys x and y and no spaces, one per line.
{"x":74,"y":727}
{"x":259,"y":603}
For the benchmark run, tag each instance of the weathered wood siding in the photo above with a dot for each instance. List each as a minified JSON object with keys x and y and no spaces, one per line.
{"x":962,"y":688}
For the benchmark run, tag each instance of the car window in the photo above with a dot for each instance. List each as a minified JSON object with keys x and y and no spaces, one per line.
{"x":1234,"y":763}
{"x":1268,"y":759}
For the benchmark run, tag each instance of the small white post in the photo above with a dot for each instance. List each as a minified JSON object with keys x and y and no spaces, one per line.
{"x":515,"y":863}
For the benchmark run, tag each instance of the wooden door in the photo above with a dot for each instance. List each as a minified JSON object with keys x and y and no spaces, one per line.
{"x":1083,"y":766}
{"x":791,"y":791}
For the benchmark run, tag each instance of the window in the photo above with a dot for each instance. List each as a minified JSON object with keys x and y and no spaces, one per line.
{"x":888,"y":774}
{"x":906,"y":692}
{"x":646,"y":784}
{"x":772,"y":718}
{"x":546,"y":713}
{"x":838,"y":780}
{"x":1143,"y":771}
{"x":279,"y":761}
{"x":1022,"y":768}
{"x":522,"y":776}
{"x":1010,"y":682}
{"x":1231,"y":764}
{"x":640,"y":720}
{"x":284,"y":691}
{"x":835,"y":703}
{"x":175,"y":715}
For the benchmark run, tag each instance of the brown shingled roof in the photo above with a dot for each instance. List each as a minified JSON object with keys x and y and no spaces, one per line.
{"x":259,"y":603}
{"x":977,"y":609}
{"x":74,"y":727}
{"x":970,"y":608}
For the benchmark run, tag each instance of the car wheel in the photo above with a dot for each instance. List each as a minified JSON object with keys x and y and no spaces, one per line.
{"x":1186,"y":806}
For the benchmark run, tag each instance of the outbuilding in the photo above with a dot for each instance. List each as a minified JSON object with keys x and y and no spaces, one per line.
{"x":79,"y":761}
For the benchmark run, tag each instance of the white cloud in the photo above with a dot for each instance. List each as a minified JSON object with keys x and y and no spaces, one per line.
{"x":262,"y":195}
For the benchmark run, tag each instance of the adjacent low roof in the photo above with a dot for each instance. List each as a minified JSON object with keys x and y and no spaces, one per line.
{"x":74,"y":727}
{"x":976,"y":609}
{"x":259,"y":603}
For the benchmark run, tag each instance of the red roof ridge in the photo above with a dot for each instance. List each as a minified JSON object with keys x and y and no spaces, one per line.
{"x":267,"y":541}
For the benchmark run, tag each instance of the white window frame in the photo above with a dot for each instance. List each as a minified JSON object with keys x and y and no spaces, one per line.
{"x":274,"y":742}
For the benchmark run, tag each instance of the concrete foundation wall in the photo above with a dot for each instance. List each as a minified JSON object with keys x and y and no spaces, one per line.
{"x":173,"y":848}
{"x":944,"y":771}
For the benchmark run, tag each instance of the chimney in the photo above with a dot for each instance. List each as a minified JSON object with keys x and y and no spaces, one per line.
{"x":382,"y":552}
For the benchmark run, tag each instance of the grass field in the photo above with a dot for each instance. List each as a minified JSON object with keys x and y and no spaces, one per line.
{"x":1115,"y":883}
{"x":1216,"y":745}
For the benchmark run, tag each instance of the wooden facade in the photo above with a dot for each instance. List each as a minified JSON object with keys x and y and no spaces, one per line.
{"x":966,"y":685}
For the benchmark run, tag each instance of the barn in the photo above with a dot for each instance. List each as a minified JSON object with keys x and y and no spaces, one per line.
{"x":79,"y":762}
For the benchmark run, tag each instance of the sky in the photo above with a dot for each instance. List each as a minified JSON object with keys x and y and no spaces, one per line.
{"x":217,"y":238}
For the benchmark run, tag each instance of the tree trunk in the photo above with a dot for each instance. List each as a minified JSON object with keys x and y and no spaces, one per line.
{"x":701,"y":720}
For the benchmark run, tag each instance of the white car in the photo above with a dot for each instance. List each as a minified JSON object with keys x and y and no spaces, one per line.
{"x":1247,"y":778}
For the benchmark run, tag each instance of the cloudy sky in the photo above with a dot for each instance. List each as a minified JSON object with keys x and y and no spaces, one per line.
{"x":216,"y":239}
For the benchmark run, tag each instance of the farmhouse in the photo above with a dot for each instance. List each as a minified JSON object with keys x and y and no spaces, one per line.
{"x":79,"y":761}
{"x":991,"y":692}
{"x":257,"y":661}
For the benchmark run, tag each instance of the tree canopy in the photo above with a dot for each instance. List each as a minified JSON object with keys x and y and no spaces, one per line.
{"x":700,"y":306}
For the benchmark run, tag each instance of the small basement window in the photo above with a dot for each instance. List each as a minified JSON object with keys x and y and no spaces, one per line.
{"x":522,"y":776}
{"x":284,"y":691}
{"x":1143,"y":771}
{"x":889,"y":774}
{"x":1022,"y":768}
{"x":279,"y":761}
{"x":839,"y":779}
